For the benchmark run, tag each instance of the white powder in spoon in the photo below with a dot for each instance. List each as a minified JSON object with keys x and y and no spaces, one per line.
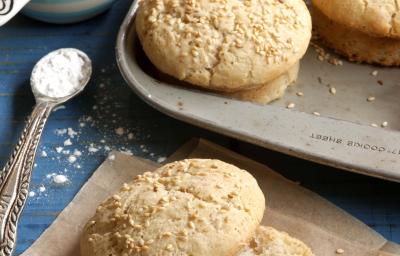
{"x":60,"y":73}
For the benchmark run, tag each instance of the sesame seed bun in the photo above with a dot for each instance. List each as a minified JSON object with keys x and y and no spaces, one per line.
{"x":355,"y":45}
{"x":196,"y":207}
{"x":271,"y":242}
{"x":224,"y":45}
{"x":377,"y":18}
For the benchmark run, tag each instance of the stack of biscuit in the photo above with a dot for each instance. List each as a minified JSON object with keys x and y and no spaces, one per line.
{"x":194,"y":207}
{"x":246,"y":49}
{"x":363,"y":31}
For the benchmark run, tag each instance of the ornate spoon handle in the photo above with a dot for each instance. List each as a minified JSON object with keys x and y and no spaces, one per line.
{"x":16,"y":175}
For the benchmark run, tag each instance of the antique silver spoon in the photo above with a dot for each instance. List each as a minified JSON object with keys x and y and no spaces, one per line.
{"x":16,"y":175}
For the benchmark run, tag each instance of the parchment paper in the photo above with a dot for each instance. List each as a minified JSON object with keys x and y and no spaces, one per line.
{"x":290,"y":208}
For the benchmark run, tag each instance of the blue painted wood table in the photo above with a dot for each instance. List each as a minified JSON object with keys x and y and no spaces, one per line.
{"x":109,"y":116}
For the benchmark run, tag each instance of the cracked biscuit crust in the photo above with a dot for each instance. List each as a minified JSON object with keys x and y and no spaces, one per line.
{"x":224,"y":45}
{"x":195,"y":207}
{"x":355,"y":45}
{"x":375,"y":17}
{"x":271,"y":242}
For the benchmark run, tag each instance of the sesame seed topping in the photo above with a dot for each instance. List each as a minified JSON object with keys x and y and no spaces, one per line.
{"x":300,"y":94}
{"x":384,"y":124}
{"x":374,"y":73}
{"x":116,"y":197}
{"x":370,"y":98}
{"x":332,"y":90}
{"x":170,"y":247}
{"x":316,"y":113}
{"x":374,"y":125}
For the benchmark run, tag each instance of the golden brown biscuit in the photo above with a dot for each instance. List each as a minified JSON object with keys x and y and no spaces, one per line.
{"x":224,"y":45}
{"x":379,"y":18}
{"x":271,"y":242}
{"x":196,"y":207}
{"x":355,"y":45}
{"x":271,"y":91}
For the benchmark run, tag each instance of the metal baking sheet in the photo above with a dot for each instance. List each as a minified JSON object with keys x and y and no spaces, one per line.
{"x":341,"y":137}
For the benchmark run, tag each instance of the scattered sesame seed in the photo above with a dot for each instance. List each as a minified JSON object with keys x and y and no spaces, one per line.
{"x":374,"y":125}
{"x":339,"y":251}
{"x":384,"y":124}
{"x":370,"y":98}
{"x":374,"y":73}
{"x":332,"y":90}
{"x":316,"y":113}
{"x":300,"y":94}
{"x":291,"y":105}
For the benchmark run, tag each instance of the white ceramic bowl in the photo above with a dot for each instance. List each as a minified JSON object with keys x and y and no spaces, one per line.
{"x":65,"y":11}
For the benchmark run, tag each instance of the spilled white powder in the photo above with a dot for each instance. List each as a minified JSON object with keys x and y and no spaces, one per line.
{"x":60,"y":73}
{"x":77,"y":152}
{"x":72,"y":133}
{"x":42,"y":189}
{"x":67,"y":142}
{"x":59,"y":149}
{"x":161,"y":159}
{"x":32,"y":193}
{"x":60,"y":179}
{"x":72,"y":159}
{"x":60,"y":132}
{"x":44,"y":154}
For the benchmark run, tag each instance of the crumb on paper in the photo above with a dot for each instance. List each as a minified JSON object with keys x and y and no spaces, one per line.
{"x":380,"y":82}
{"x":315,"y":113}
{"x":374,"y":73}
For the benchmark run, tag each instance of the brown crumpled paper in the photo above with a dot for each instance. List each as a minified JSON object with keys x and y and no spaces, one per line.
{"x":290,"y":208}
